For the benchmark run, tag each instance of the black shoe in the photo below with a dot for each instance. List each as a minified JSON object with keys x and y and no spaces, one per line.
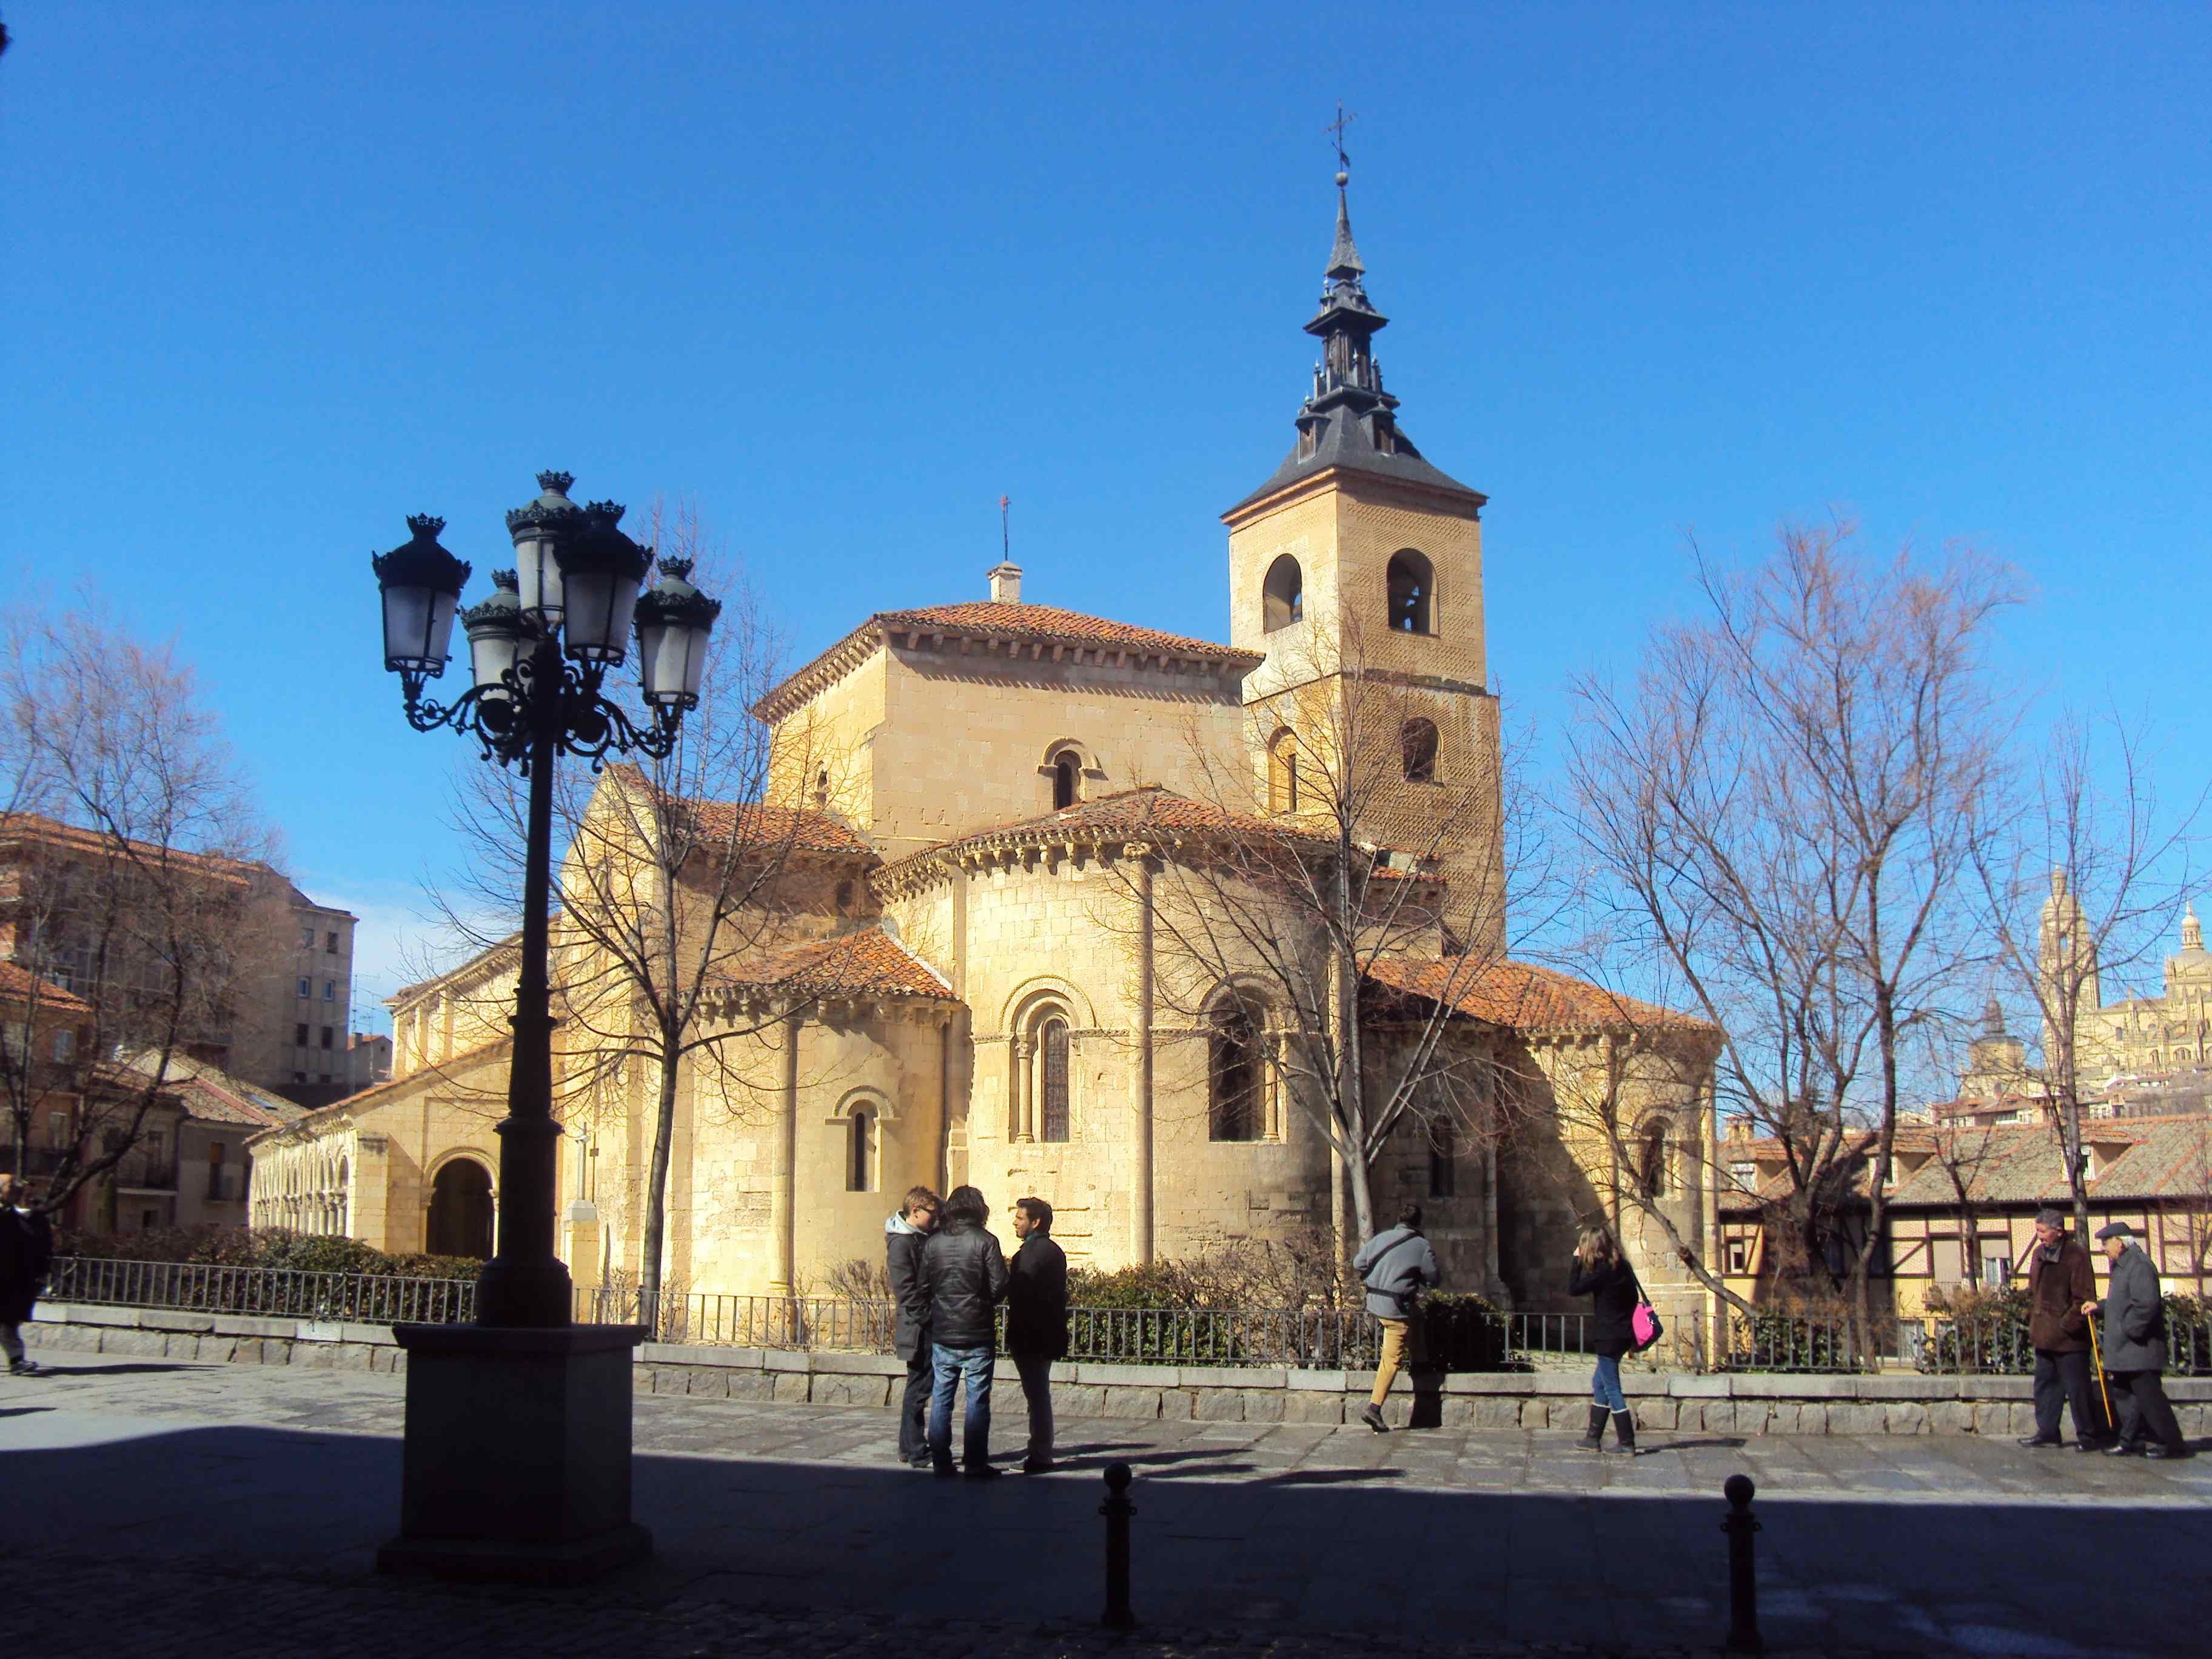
{"x":23,"y":1368}
{"x":2120,"y":1449}
{"x":1624,"y":1432}
{"x":2159,"y":1454}
{"x":2039,"y":1443}
{"x":918,"y":1460}
{"x":1372,"y":1417}
{"x":2089,"y":1445}
{"x":944,"y":1471}
{"x":1595,"y":1439}
{"x":1038,"y":1465}
{"x":982,"y":1471}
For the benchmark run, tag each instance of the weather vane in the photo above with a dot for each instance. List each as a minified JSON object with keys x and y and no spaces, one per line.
{"x":1336,"y":129}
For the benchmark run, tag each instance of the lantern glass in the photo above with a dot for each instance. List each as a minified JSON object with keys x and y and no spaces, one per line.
{"x":672,"y":658}
{"x":493,"y":649}
{"x":418,"y":628}
{"x":538,"y":573}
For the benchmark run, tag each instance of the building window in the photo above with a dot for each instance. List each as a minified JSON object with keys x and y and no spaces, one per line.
{"x":1233,"y":1078}
{"x":330,"y":945}
{"x":1065,"y":771}
{"x":58,"y":1131}
{"x":1651,"y":1161}
{"x":326,"y":1037}
{"x":1739,"y":1255}
{"x":1417,"y":748}
{"x":1745,"y":1175}
{"x":156,"y":1143}
{"x":299,"y":1076}
{"x":1283,"y":772}
{"x":306,"y":987}
{"x":323,"y":1077}
{"x":306,"y":939}
{"x":64,"y":1047}
{"x":844,"y":898}
{"x":299,"y":1036}
{"x":1997,"y":1269}
{"x":329,"y":990}
{"x":1444,"y":1159}
{"x":1052,"y":1080}
{"x":1283,"y":597}
{"x":1410,"y":579}
{"x":861,"y":1151}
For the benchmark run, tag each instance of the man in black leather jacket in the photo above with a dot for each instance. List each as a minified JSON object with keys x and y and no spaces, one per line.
{"x":964,"y":1272}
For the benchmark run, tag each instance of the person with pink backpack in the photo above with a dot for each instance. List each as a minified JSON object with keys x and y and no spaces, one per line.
{"x":1617,"y":1307}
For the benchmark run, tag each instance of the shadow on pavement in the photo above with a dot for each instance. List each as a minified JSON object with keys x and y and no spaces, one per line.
{"x":1298,"y":1551}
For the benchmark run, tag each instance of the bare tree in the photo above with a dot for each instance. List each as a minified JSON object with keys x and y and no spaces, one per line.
{"x":695,"y":924}
{"x":1334,"y":892}
{"x":2079,"y":886}
{"x":136,"y":898}
{"x":1787,"y":804}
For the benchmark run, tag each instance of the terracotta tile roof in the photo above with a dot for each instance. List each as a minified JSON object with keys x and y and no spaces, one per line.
{"x":1146,"y":813}
{"x":32,"y":827}
{"x":1049,"y":624}
{"x":866,"y":962}
{"x":758,"y":824}
{"x":377,"y":1094}
{"x":990,"y":619}
{"x":1525,"y":998}
{"x":762,"y":825}
{"x":18,"y":984}
{"x":2136,"y":1160}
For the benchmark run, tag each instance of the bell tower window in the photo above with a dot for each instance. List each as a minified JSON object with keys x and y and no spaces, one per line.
{"x":1411,"y":581}
{"x":1064,"y":774}
{"x":1417,"y":745}
{"x":1282,"y":600}
{"x":1283,"y":772}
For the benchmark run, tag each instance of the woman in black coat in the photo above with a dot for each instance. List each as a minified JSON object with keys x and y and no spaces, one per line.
{"x":1600,"y":1274}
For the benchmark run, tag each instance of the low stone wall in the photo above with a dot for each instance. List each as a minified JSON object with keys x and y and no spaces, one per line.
{"x":1679,"y":1401}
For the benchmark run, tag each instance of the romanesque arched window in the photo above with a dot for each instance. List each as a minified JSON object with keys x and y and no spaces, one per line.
{"x":1234,"y":1074}
{"x":1443,"y":1158}
{"x":861,"y":1151}
{"x":1283,"y":772}
{"x":1651,"y":1161}
{"x":1283,"y":597}
{"x":1065,"y":772}
{"x":1052,"y":1079}
{"x":1416,"y":749}
{"x":1411,"y":581}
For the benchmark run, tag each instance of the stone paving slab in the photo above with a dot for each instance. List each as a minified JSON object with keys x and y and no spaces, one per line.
{"x":173,"y":1509}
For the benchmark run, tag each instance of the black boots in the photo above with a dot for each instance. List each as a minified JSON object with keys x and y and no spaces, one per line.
{"x":1596,"y":1438}
{"x":1624,"y":1432}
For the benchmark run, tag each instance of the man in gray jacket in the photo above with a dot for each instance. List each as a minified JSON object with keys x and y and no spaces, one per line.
{"x":2135,"y":1346}
{"x":1395,"y":1266}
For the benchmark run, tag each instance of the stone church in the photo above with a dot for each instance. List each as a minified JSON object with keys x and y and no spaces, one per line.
{"x":983,"y":987}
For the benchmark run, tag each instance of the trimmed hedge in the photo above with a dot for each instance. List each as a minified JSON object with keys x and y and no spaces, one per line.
{"x":264,"y":1247}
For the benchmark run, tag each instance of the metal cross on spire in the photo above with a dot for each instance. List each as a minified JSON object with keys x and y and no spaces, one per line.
{"x":1336,"y":129}
{"x":1005,"y":536}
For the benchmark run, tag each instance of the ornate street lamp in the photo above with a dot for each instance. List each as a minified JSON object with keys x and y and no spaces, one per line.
{"x":539,"y":649}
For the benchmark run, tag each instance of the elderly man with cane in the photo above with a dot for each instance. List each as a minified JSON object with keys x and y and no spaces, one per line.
{"x":2134,"y":1346}
{"x":2059,"y":1280}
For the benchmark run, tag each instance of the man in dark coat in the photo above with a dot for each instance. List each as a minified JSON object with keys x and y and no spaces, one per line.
{"x":2059,"y":1280}
{"x":26,"y":1249}
{"x":2133,"y":1314}
{"x":1037,"y":1321}
{"x":904,"y":1234}
{"x":965,"y":1274}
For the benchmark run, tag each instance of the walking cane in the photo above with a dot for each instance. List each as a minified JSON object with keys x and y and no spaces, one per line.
{"x":2097,"y":1359}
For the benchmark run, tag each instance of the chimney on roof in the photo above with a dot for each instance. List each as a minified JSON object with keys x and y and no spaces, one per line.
{"x":1007,"y":584}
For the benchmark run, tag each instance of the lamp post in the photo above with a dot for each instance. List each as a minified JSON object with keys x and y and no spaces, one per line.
{"x":523,"y":1387}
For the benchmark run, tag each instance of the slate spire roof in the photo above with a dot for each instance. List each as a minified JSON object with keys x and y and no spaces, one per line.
{"x":1349,"y":421}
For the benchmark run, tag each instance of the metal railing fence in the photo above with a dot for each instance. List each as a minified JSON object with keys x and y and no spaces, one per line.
{"x":274,"y":1292}
{"x":1310,"y":1339}
{"x":1999,"y":1344}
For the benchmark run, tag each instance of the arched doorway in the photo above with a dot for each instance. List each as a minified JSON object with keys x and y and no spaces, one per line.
{"x":460,"y":1210}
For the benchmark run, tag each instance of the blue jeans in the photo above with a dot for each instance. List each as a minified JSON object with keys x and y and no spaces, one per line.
{"x":952,"y":1366}
{"x":1605,"y":1384}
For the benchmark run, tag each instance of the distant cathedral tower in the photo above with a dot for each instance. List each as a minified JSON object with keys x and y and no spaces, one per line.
{"x":2066,"y":961}
{"x":1357,"y":564}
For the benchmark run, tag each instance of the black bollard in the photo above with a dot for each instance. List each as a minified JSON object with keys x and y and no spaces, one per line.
{"x":1117,"y":1509}
{"x":1743,"y":1573}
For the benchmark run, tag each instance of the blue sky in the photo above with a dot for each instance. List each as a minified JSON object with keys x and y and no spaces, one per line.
{"x":277,"y":276}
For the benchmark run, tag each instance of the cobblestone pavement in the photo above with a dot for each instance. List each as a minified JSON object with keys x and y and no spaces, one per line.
{"x":162,"y":1509}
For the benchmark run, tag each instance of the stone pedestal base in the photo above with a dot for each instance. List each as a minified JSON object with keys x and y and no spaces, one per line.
{"x":516,"y":1465}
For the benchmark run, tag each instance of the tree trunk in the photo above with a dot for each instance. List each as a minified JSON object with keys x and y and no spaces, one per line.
{"x":656,"y":1200}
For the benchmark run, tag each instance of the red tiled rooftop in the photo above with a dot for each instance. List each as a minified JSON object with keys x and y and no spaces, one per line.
{"x":18,"y":984}
{"x":1525,"y":998}
{"x":866,"y":962}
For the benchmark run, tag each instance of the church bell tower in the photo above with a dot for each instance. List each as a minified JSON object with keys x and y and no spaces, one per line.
{"x":1356,"y":569}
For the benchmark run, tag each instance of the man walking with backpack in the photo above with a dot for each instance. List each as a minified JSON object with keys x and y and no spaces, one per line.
{"x":1395,"y":1266}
